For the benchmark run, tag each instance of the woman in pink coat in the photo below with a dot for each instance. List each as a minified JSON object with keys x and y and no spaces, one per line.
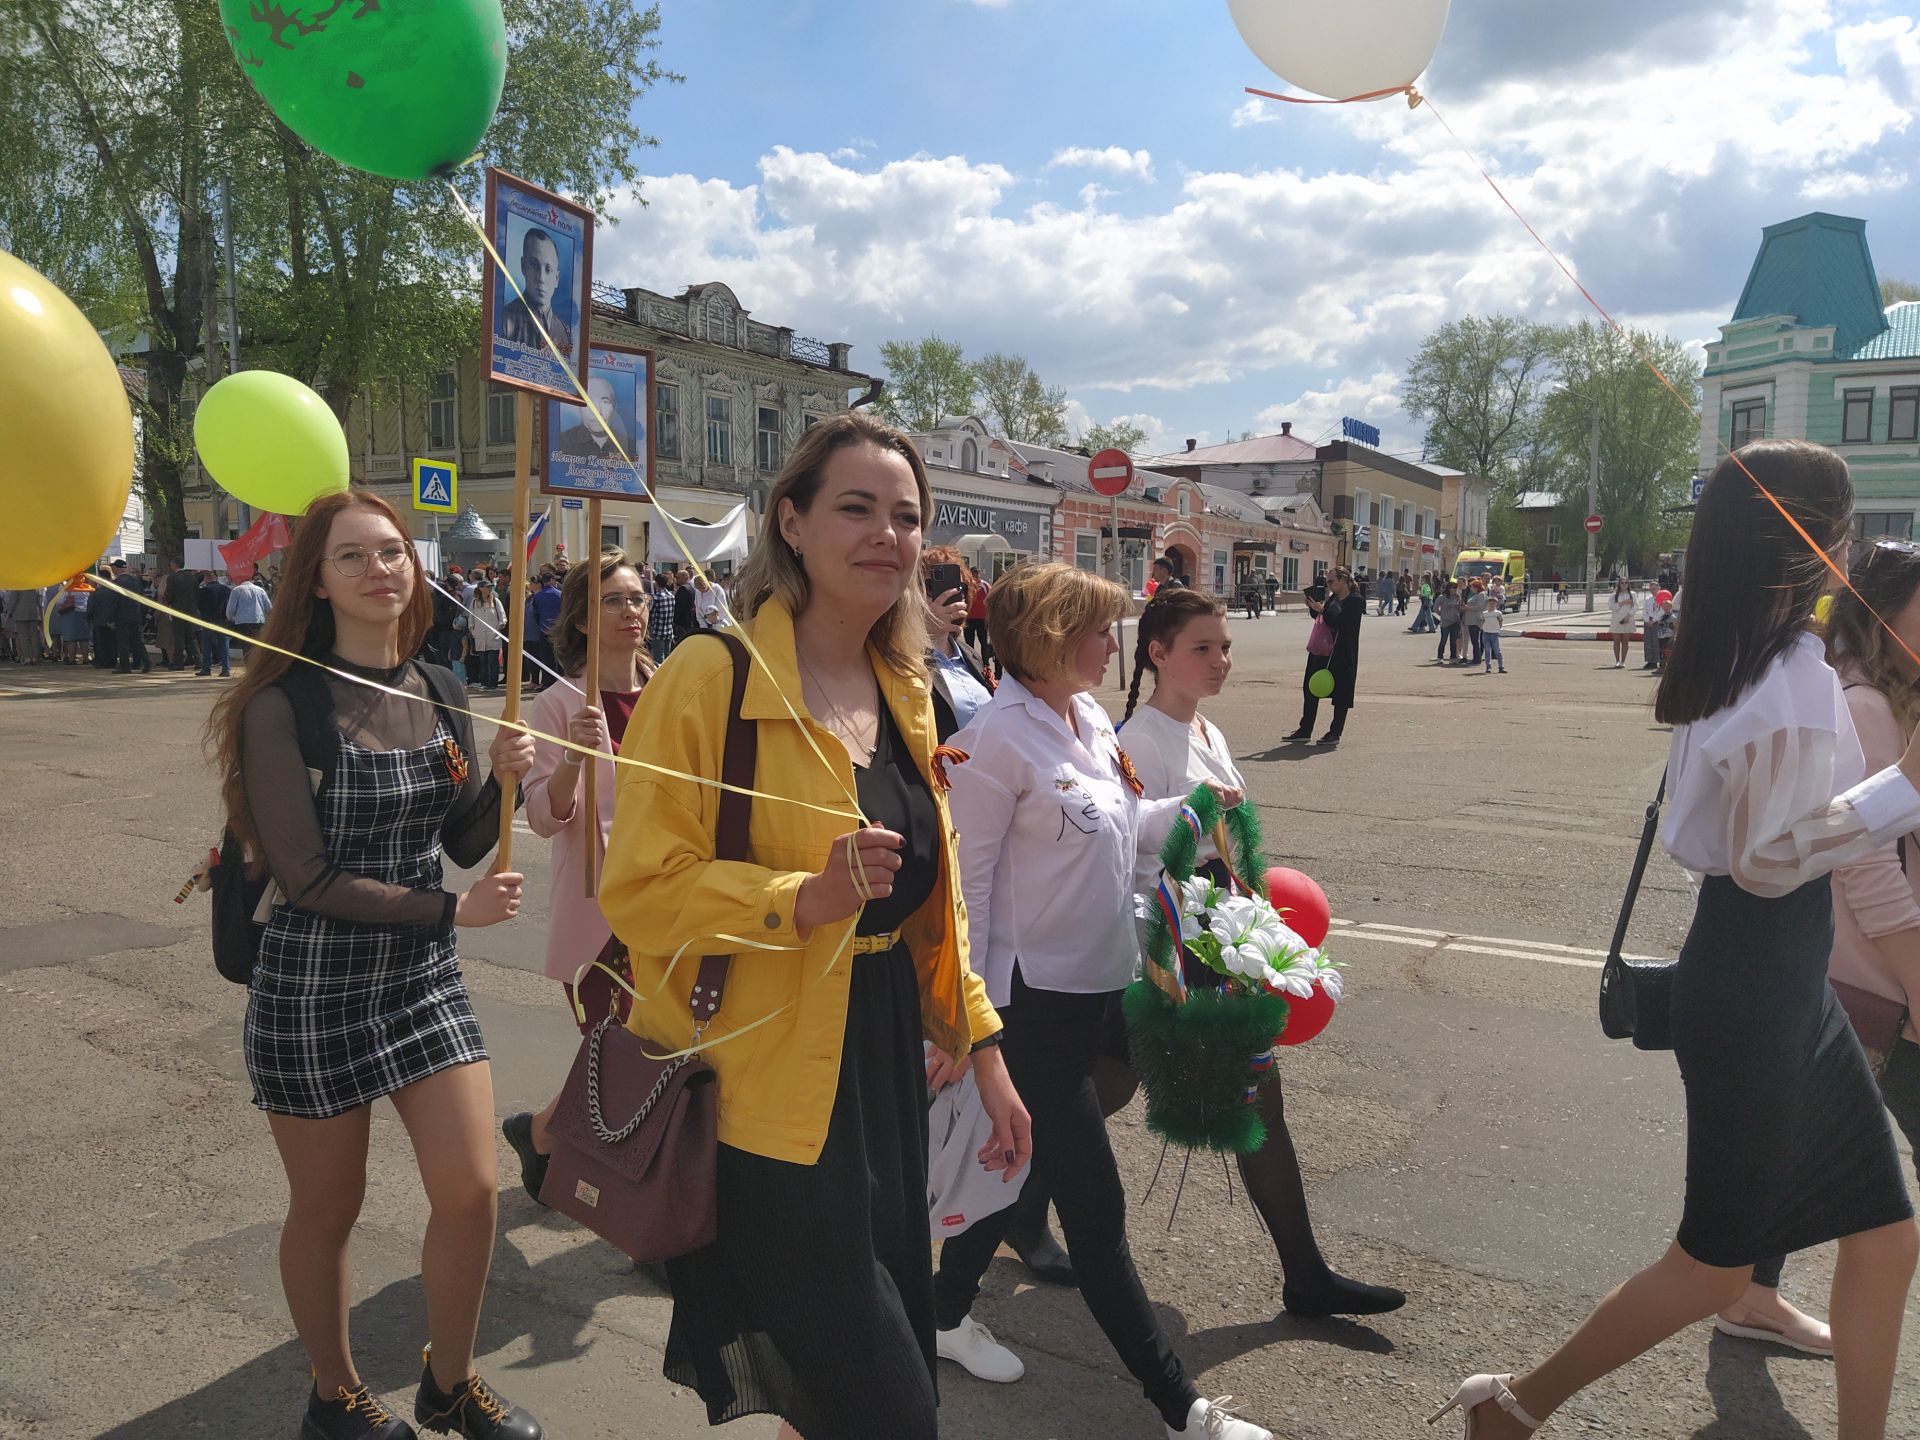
{"x":555,"y":806}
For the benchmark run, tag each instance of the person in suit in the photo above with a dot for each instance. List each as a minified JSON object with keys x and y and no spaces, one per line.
{"x":129,"y":616}
{"x":588,"y":440}
{"x":686,"y":613}
{"x":211,"y":601}
{"x":539,"y":279}
{"x":101,"y":615}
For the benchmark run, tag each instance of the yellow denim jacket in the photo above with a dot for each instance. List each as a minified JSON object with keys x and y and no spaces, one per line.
{"x":661,"y":888}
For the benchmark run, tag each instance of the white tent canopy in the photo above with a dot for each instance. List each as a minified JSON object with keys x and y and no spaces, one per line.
{"x":722,"y":539}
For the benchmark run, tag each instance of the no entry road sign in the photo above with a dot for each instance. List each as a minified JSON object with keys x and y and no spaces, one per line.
{"x":1594,"y":522}
{"x":1110,"y":472}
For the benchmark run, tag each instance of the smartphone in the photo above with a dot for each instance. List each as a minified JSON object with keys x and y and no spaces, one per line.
{"x":942,"y":578}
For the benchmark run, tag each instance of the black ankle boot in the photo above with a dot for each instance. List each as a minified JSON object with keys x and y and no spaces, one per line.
{"x":472,"y":1411}
{"x":352,"y":1415}
{"x":533,"y":1165}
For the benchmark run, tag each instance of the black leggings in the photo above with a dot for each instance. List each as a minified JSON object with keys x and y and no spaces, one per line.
{"x":1052,"y":1040}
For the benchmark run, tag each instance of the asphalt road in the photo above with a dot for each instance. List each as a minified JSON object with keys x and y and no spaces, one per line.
{"x":1468,"y":1134}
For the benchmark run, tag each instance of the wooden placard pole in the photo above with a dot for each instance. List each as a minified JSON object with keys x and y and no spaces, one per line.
{"x":589,"y":769}
{"x":517,"y":605}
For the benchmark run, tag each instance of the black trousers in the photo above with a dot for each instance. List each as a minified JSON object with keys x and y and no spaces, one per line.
{"x":1310,"y":702}
{"x":1050,"y":1045}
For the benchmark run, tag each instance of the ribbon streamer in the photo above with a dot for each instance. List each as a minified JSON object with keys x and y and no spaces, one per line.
{"x":1414,"y":98}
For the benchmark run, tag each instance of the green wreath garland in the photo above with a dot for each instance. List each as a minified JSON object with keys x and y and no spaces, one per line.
{"x":1201,"y":1053}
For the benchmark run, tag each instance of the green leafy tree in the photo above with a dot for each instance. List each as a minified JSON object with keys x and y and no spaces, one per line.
{"x":928,"y":380}
{"x":1478,"y":383}
{"x":1892,"y":292}
{"x":1122,"y":434}
{"x":1649,"y":442}
{"x":1020,"y":403}
{"x":124,"y":119}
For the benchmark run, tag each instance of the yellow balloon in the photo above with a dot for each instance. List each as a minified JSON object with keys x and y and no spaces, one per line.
{"x":66,"y":434}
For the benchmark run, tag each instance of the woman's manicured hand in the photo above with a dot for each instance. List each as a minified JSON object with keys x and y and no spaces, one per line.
{"x":1011,"y":1145}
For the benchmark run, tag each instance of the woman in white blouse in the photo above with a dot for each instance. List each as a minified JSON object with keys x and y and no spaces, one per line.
{"x":1620,"y":621}
{"x":1787,"y":1143}
{"x":1051,"y":823}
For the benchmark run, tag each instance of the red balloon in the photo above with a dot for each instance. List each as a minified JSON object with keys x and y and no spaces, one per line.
{"x":1301,"y":902}
{"x":1663,"y":597}
{"x":1306,"y":1018}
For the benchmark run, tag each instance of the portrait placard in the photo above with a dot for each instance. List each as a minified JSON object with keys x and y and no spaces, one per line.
{"x":548,"y":243}
{"x":581,"y":458}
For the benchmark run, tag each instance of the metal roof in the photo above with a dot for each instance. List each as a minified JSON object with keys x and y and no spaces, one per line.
{"x":1817,"y":269}
{"x":1900,"y":340}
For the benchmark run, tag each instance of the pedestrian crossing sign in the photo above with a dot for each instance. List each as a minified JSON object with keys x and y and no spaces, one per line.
{"x":436,"y":486}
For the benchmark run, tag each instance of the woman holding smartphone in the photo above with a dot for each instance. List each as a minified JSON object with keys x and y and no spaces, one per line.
{"x":1788,"y":1145}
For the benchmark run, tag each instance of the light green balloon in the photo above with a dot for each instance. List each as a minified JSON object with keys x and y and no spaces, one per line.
{"x":1320,"y":684}
{"x":400,"y":88}
{"x":270,"y":442}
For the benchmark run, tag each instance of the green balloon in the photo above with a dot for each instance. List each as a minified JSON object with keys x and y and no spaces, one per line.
{"x":270,"y":442}
{"x":1320,"y":684}
{"x":400,"y":88}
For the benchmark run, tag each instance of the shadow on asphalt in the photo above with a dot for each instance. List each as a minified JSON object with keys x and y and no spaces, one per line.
{"x":550,"y":1304}
{"x":1746,"y":1402}
{"x":1298,"y":750}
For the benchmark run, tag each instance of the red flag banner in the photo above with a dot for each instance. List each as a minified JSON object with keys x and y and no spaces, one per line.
{"x":267,"y":534}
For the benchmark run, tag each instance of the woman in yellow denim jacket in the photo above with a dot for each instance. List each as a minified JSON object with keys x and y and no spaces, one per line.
{"x":815,"y":1301}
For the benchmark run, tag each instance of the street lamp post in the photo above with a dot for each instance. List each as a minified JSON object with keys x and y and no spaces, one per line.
{"x":1593,"y":498}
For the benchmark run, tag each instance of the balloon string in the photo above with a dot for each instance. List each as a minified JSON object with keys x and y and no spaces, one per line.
{"x":673,"y":527}
{"x":498,"y":722}
{"x":1414,"y":98}
{"x":1640,"y":353}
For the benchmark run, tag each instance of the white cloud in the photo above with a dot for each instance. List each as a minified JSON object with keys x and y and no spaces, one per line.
{"x":1112,"y":158}
{"x":1651,"y":169}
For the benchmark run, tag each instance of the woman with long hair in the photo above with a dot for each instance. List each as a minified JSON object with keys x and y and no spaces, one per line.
{"x":357,"y":993}
{"x":815,"y":1300}
{"x":1051,"y":824}
{"x":1787,"y":1143}
{"x":1620,"y":620}
{"x":576,"y":930}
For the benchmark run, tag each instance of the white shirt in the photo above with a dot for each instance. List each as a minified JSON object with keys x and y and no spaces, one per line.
{"x":1049,"y":831}
{"x":1649,"y":609}
{"x":1171,"y":759}
{"x":1768,"y":790}
{"x":1621,"y":612}
{"x":710,"y":607}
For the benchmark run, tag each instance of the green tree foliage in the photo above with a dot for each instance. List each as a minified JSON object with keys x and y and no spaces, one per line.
{"x":1649,"y":442}
{"x":1477,"y":382}
{"x":1020,"y":404}
{"x":927,"y":381}
{"x":1122,"y":434}
{"x":120,"y":121}
{"x":1892,"y":292}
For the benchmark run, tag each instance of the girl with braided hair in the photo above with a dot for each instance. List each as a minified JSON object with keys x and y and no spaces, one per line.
{"x":1185,"y":645}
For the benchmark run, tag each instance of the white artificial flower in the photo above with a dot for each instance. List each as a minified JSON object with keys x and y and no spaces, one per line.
{"x":1331,"y":982}
{"x":1198,"y":894}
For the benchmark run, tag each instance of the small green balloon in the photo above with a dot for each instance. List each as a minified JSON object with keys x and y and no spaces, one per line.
{"x":1320,"y":684}
{"x":399,"y":88}
{"x":270,"y":442}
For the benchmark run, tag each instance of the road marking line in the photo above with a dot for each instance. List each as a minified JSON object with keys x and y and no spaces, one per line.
{"x":1501,"y":946}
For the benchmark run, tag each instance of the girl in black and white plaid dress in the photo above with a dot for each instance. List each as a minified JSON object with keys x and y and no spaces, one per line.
{"x":358,"y":993}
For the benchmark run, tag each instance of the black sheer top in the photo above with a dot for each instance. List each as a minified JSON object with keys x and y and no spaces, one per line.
{"x":894,"y":795}
{"x":280,"y":796}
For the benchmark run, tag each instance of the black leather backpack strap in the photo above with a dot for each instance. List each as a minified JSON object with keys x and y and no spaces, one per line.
{"x":1649,"y":832}
{"x":738,"y":763}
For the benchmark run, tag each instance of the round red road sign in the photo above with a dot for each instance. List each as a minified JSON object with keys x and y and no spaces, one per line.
{"x":1594,"y":522}
{"x":1110,"y":472}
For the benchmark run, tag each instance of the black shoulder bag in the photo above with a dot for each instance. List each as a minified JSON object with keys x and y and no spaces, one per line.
{"x":1636,"y":996}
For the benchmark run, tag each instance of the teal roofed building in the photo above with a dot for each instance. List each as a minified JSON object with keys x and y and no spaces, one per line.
{"x":1812,"y":354}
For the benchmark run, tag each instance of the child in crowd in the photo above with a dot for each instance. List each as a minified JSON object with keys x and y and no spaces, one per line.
{"x":1490,"y":626}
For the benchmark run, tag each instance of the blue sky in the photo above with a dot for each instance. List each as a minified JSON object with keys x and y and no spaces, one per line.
{"x":1085,"y":184}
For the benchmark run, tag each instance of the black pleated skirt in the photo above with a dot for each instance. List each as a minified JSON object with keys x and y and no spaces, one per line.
{"x":815,"y":1301}
{"x":1788,"y":1144}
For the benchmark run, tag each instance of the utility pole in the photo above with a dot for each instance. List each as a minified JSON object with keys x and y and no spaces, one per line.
{"x":1593,"y":496}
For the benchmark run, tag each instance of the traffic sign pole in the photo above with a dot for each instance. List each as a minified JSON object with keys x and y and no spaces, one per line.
{"x":1593,"y":500}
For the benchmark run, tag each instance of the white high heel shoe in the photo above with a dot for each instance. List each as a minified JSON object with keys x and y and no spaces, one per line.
{"x":1477,"y":1390}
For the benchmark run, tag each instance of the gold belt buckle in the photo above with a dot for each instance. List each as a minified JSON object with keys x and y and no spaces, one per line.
{"x":873,"y":944}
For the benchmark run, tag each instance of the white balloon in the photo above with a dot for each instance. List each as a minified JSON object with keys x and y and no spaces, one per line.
{"x":1341,"y":48}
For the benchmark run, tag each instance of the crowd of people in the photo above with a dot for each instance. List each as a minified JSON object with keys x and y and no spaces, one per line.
{"x":961,"y":946}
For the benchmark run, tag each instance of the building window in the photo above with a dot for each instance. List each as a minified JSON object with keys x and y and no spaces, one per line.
{"x":1553,"y":537}
{"x":1219,"y":572}
{"x":969,"y":457}
{"x":807,"y":422}
{"x":1856,"y":419}
{"x":500,"y":411}
{"x":666,"y":421}
{"x":441,"y":403}
{"x":613,"y":537}
{"x":1749,"y":423}
{"x":719,"y":430}
{"x":719,"y":320}
{"x":1184,"y":497}
{"x":1319,"y":571}
{"x":1086,"y":550}
{"x":1872,"y":525}
{"x":1289,"y":574}
{"x":768,"y":452}
{"x":1386,"y":512}
{"x":1903,"y":415}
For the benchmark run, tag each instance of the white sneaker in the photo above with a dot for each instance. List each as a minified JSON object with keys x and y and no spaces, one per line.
{"x":971,"y":1346}
{"x":1209,"y":1420}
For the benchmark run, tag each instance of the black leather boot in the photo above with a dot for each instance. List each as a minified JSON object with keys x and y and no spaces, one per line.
{"x":352,"y":1415}
{"x":472,"y":1411}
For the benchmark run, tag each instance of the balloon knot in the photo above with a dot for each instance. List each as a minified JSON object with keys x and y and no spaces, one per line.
{"x":1414,"y":97}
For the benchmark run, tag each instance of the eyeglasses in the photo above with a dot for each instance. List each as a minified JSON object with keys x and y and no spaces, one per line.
{"x":627,"y":600}
{"x":353,"y":562}
{"x":1898,"y":547}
